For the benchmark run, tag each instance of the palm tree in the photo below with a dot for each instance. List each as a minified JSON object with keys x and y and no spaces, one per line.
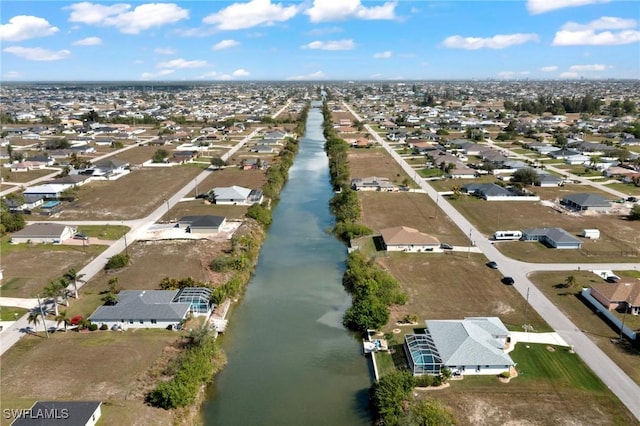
{"x":110,"y":299}
{"x":52,"y":290}
{"x":63,"y":318}
{"x":33,"y":318}
{"x":73,"y":276}
{"x":570,"y":281}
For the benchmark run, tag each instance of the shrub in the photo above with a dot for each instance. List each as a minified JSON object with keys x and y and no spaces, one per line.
{"x":424,"y":381}
{"x":260,"y":213}
{"x":104,"y":327}
{"x":118,"y":261}
{"x":93,"y":327}
{"x":505,"y":374}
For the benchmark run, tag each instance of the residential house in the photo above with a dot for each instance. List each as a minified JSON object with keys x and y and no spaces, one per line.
{"x":30,"y":202}
{"x":207,"y":224}
{"x":45,"y":233}
{"x":586,"y":201}
{"x":109,"y":168}
{"x":472,"y":346}
{"x":154,"y":308}
{"x":373,"y":183}
{"x":403,"y":238}
{"x":552,"y":237}
{"x":47,"y":191}
{"x":622,"y":296}
{"x":60,"y":413}
{"x":236,"y":195}
{"x":547,"y":180}
{"x":262,"y":149}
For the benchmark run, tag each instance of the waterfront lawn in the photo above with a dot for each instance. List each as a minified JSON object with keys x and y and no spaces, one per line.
{"x":230,"y":176}
{"x":117,"y":368}
{"x":585,"y":318}
{"x":375,"y":162}
{"x":416,"y":210}
{"x":554,"y":387}
{"x":199,"y":207}
{"x":453,"y":286}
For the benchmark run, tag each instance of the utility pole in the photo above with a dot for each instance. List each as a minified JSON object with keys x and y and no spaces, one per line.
{"x":44,"y":322}
{"x":435,"y":215}
{"x":526,"y":310}
{"x":470,"y":241}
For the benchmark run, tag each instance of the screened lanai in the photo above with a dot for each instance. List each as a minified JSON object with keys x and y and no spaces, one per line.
{"x":198,"y":297}
{"x":422,"y":354}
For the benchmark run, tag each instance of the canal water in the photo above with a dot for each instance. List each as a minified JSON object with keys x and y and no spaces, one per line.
{"x":290,"y":361}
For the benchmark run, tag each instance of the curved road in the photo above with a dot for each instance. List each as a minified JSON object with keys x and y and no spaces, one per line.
{"x":616,"y":379}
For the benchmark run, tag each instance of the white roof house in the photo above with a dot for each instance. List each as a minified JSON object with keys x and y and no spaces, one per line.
{"x":403,"y":238}
{"x":237,"y":195}
{"x":45,"y":233}
{"x":474,"y":345}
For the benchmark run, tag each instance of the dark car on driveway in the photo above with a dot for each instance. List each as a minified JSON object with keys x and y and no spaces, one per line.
{"x":445,"y":246}
{"x":508,"y":280}
{"x":492,"y":265}
{"x":80,"y":237}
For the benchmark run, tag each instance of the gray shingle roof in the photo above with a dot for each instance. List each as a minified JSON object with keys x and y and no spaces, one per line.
{"x":139,"y":305}
{"x":471,"y":341}
{"x":585,"y":199}
{"x":41,"y":230}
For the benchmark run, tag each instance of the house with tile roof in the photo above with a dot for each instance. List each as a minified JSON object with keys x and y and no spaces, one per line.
{"x":622,"y":296}
{"x":473,"y":346}
{"x":403,"y":238}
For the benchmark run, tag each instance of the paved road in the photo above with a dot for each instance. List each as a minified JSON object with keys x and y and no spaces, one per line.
{"x":9,"y":337}
{"x":616,"y":379}
{"x":137,"y":227}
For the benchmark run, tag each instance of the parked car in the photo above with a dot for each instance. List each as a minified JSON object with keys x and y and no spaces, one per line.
{"x":492,"y":265}
{"x":508,"y":280}
{"x":80,"y":237}
{"x":445,"y":246}
{"x":632,"y":199}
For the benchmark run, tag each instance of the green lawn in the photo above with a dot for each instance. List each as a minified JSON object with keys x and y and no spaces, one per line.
{"x":627,"y":188}
{"x":558,"y":368}
{"x":104,"y":232}
{"x":9,"y":313}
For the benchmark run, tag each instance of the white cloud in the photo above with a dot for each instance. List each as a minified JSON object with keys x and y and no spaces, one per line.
{"x":318,"y":75}
{"x":506,"y":74}
{"x":181,"y":64}
{"x":536,"y":7}
{"x":569,"y":74}
{"x":225,"y":44}
{"x":240,"y":73}
{"x":499,"y":41}
{"x":590,"y":67}
{"x":549,"y":68}
{"x":246,"y":15}
{"x":23,"y":27}
{"x":332,"y":10}
{"x":591,"y":38}
{"x":151,"y":75}
{"x":164,"y":51}
{"x":330,"y":45}
{"x":382,"y":55}
{"x":604,"y":23}
{"x":11,"y":75}
{"x":128,"y":21}
{"x":37,"y":53}
{"x":324,"y":31}
{"x":524,"y":73}
{"x":89,"y":41}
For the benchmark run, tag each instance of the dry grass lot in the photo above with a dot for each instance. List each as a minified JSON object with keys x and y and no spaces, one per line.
{"x":374,"y":162}
{"x":199,"y":207}
{"x":138,"y":155}
{"x":583,"y":316}
{"x":132,"y":196}
{"x":116,"y":368}
{"x":387,"y":209}
{"x":22,"y":177}
{"x":27,"y":270}
{"x":453,"y":285}
{"x":618,"y":236}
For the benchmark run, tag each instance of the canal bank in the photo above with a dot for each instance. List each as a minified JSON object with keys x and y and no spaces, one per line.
{"x":290,"y":361}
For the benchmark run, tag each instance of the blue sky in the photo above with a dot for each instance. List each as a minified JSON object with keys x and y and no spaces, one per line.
{"x":319,"y":40}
